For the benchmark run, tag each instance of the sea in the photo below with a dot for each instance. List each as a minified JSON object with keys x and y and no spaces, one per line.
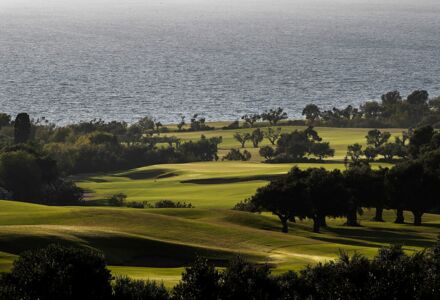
{"x":78,"y":60}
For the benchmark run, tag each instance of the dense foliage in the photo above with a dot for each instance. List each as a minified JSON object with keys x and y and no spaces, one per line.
{"x":67,"y":273}
{"x":316,"y":193}
{"x":392,"y":111}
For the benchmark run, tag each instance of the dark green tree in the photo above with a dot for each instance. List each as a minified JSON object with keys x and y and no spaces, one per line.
{"x":59,"y":272}
{"x":22,"y":128}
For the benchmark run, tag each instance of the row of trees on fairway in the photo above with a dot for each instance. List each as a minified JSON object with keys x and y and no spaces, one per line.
{"x":392,"y":111}
{"x":316,"y":193}
{"x":407,"y":146}
{"x":295,"y":146}
{"x":58,"y":272}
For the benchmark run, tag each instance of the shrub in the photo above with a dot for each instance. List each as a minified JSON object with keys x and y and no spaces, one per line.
{"x":125,"y":288}
{"x":201,"y":281}
{"x":267,"y":152}
{"x":117,"y":200}
{"x":58,"y":272}
{"x":235,"y":154}
{"x":245,"y":205}
{"x":172,"y":204}
{"x":136,"y":204}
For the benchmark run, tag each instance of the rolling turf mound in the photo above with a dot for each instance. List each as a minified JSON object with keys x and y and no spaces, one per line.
{"x":156,"y":243}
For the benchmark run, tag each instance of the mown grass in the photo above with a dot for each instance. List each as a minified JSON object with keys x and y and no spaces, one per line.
{"x":339,"y":138}
{"x":205,"y":185}
{"x":158,"y":243}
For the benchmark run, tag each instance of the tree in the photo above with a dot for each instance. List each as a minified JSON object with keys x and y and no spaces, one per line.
{"x":22,"y":128}
{"x":322,"y":150}
{"x":158,"y":125}
{"x":146,"y":123}
{"x":365,"y":188}
{"x":295,"y":145}
{"x":181,"y":124}
{"x":256,"y":137}
{"x":21,"y":175}
{"x":200,"y":281}
{"x":391,"y":99}
{"x":243,"y":280}
{"x":325,"y":195}
{"x":267,"y":152}
{"x":420,"y":140}
{"x":388,"y":151}
{"x":5,"y":120}
{"x":376,"y":138}
{"x":413,"y":187}
{"x":354,"y":152}
{"x":418,"y":98}
{"x":235,"y":154}
{"x":280,"y":201}
{"x":198,"y":123}
{"x":312,"y":113}
{"x":126,"y":288}
{"x":371,"y":110}
{"x":59,"y":272}
{"x":370,"y":153}
{"x":251,"y":119}
{"x":272,"y":135}
{"x":274,"y":116}
{"x":242,"y":138}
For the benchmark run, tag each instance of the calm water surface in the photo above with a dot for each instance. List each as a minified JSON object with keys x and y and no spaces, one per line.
{"x":79,"y":60}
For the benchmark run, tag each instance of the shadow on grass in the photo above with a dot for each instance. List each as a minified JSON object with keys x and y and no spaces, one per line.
{"x":361,"y":236}
{"x":124,"y":250}
{"x":225,"y":180}
{"x":148,"y":174}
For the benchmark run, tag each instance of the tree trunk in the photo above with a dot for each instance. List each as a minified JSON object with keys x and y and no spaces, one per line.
{"x":352,"y":218}
{"x":316,"y":221}
{"x":322,"y":221}
{"x":284,"y":220}
{"x":417,"y":218}
{"x":399,"y":218}
{"x":379,"y":214}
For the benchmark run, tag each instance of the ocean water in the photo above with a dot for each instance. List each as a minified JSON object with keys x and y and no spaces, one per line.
{"x":79,"y":60}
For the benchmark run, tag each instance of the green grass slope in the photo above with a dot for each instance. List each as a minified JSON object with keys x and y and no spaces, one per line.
{"x":339,"y":138}
{"x":157,"y":243}
{"x":205,"y":185}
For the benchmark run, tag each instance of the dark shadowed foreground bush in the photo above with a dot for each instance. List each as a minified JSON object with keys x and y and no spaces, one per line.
{"x":58,"y":272}
{"x":125,"y":288}
{"x":66,"y":273}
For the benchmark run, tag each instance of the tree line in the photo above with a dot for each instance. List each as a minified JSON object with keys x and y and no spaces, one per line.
{"x":60,"y":272}
{"x":413,"y":184}
{"x":35,"y":158}
{"x":393,"y":110}
{"x":296,"y":146}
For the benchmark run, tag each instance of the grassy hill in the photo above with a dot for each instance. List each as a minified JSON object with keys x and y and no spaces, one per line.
{"x":158,"y":243}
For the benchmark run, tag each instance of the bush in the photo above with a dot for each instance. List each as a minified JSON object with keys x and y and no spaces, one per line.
{"x":233,"y":125}
{"x":235,"y":154}
{"x":172,"y":204}
{"x":201,"y":281}
{"x":58,"y":272}
{"x":267,"y":152}
{"x":117,"y":200}
{"x":245,"y":205}
{"x":125,"y":288}
{"x":137,"y":204}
